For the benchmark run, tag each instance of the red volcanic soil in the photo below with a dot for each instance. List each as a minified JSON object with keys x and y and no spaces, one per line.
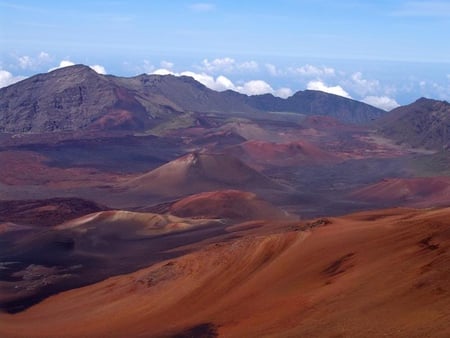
{"x":197,"y":172}
{"x":232,"y":204}
{"x":282,"y":154}
{"x":371,"y":274}
{"x":117,"y":118}
{"x":418,"y":191}
{"x":46,"y":212}
{"x":29,"y":168}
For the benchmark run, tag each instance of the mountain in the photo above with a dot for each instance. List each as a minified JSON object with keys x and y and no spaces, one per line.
{"x":423,"y":123}
{"x":77,"y":98}
{"x":197,"y":172}
{"x":67,"y":99}
{"x":312,"y":102}
{"x":182,"y":93}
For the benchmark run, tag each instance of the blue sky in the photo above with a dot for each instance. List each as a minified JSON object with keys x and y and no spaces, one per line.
{"x":383,"y":52}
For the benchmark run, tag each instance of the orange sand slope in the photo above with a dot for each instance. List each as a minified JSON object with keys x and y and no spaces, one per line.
{"x":232,"y":204}
{"x":197,"y":172}
{"x":414,"y":192}
{"x":379,"y":273}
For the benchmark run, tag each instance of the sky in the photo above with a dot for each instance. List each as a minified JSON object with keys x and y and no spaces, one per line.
{"x":385,"y":53}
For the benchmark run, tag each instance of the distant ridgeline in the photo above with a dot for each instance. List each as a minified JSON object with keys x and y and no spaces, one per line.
{"x":77,"y":98}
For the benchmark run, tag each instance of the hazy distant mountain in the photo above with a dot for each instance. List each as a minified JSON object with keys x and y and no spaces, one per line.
{"x":424,"y":123}
{"x":312,"y":102}
{"x":77,"y":98}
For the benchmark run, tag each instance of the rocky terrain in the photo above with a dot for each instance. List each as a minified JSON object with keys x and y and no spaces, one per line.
{"x":424,"y":123}
{"x":180,"y":211}
{"x":77,"y":98}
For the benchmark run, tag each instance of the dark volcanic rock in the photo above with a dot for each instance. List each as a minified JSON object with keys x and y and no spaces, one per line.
{"x":312,"y":102}
{"x":423,"y":123}
{"x":77,"y":98}
{"x":46,"y":212}
{"x":183,"y":93}
{"x":70,"y":98}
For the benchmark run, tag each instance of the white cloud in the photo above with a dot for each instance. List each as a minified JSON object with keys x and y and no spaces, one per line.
{"x":6,"y":78}
{"x":225,"y":64}
{"x":224,"y":82}
{"x":25,"y":62}
{"x":248,"y":66}
{"x":228,"y":65}
{"x":310,"y":70}
{"x":162,"y":71}
{"x":382,"y":102}
{"x":202,"y":7}
{"x":29,"y":62}
{"x":99,"y":69}
{"x":319,"y":85}
{"x":209,"y":81}
{"x":43,"y":56}
{"x":147,"y":67}
{"x":221,"y":83}
{"x":437,"y":90}
{"x":255,"y":87}
{"x":62,"y":64}
{"x":67,"y":63}
{"x":284,"y":92}
{"x":362,"y":86}
{"x":167,"y":64}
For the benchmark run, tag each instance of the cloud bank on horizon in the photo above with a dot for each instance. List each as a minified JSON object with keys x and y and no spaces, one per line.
{"x":255,"y":78}
{"x":380,"y":52}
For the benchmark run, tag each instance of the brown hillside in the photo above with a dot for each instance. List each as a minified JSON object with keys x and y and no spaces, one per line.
{"x":282,"y":154}
{"x":372,"y":274}
{"x":232,"y":204}
{"x":423,"y":123}
{"x":198,"y":172}
{"x":419,"y":191}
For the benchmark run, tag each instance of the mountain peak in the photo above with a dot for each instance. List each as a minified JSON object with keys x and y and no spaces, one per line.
{"x":423,"y":123}
{"x":78,"y":66}
{"x":77,"y":98}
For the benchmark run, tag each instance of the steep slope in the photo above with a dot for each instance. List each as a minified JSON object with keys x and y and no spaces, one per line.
{"x":423,"y":123}
{"x":198,"y":172}
{"x":77,"y":98}
{"x":66,"y":99}
{"x":231,"y":204}
{"x":183,"y":93}
{"x":37,"y":263}
{"x":383,"y":273}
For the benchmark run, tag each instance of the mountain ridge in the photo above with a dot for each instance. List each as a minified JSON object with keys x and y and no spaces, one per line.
{"x":423,"y":123}
{"x":78,"y":98}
